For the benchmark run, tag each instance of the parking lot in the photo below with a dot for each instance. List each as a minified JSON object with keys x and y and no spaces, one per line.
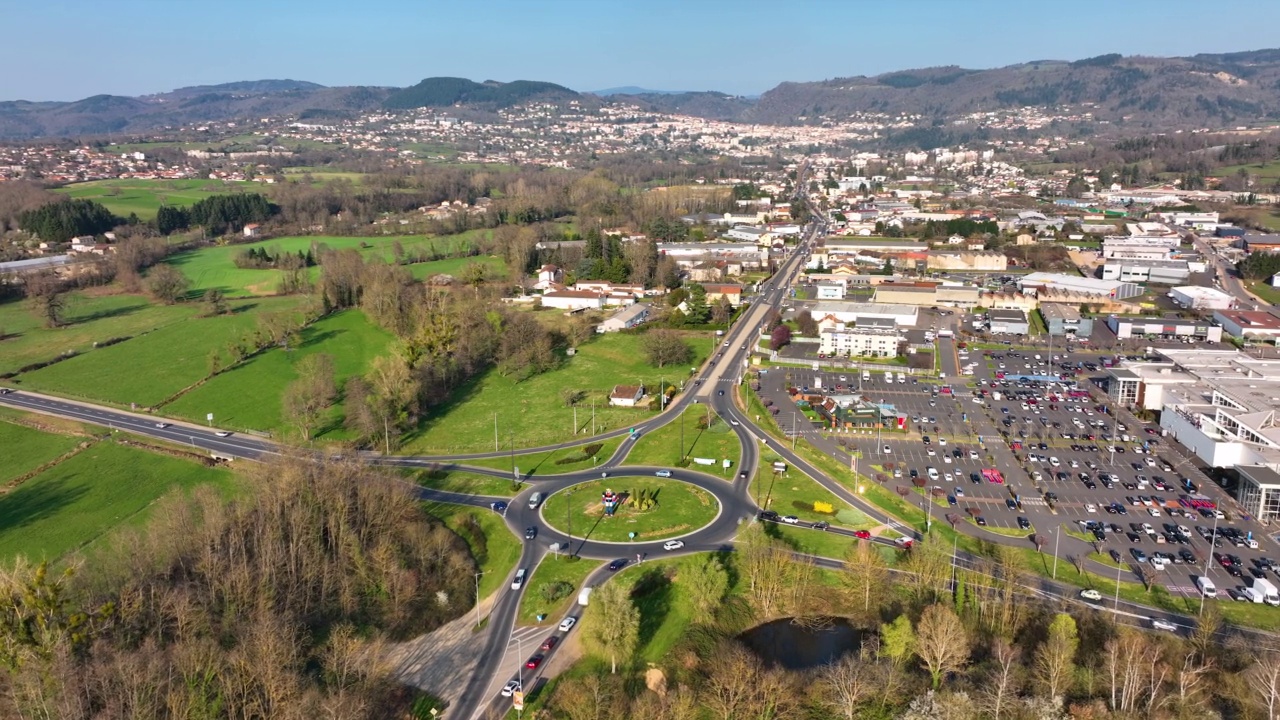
{"x":1069,"y":465}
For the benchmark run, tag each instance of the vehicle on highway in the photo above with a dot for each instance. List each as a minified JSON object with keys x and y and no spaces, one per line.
{"x":1090,"y":594}
{"x":567,"y":624}
{"x":904,"y":542}
{"x":530,"y":532}
{"x":769,"y":515}
{"x":162,"y":425}
{"x":549,"y":643}
{"x":498,"y":507}
{"x":535,"y":500}
{"x":791,"y":519}
{"x":673,"y":545}
{"x":534,"y":661}
{"x":862,"y":534}
{"x":223,"y":433}
{"x":719,"y":392}
{"x":518,"y":582}
{"x":663,"y":473}
{"x":617,"y":565}
{"x":511,"y":687}
{"x":1165,"y":625}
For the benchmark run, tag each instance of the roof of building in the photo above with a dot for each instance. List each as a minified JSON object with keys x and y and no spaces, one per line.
{"x":1009,"y":315}
{"x":1262,"y":239}
{"x":1196,"y":291}
{"x":1071,"y":282}
{"x":626,"y":391}
{"x":1059,"y":311}
{"x":584,"y":294}
{"x":825,"y":307}
{"x":1257,"y":319}
{"x":1260,"y":475}
{"x":723,"y":288}
{"x":630,"y":312}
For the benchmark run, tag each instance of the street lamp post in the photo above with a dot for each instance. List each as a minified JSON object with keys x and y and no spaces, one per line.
{"x":568,"y":518}
{"x":478,"y":597}
{"x":1207,"y":554}
{"x":1057,"y":535}
{"x":1116,"y":606}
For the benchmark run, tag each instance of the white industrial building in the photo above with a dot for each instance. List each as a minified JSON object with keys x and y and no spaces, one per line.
{"x":1131,"y":326}
{"x":842,"y":340}
{"x":1165,"y":272}
{"x":1195,"y":297}
{"x":1254,"y":325}
{"x":829,"y":290}
{"x":851,"y":313}
{"x":626,"y":318}
{"x":1058,"y":282}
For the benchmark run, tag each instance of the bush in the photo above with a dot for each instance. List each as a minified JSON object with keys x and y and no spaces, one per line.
{"x":823,"y":507}
{"x":556,"y":591}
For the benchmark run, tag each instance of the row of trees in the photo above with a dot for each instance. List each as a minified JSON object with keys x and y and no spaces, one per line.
{"x":218,"y":214}
{"x":275,"y":604}
{"x":59,"y":221}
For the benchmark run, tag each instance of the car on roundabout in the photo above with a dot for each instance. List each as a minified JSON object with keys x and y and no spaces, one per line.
{"x":862,"y":534}
{"x":617,"y":565}
{"x":663,"y":473}
{"x":673,"y":545}
{"x":567,"y":624}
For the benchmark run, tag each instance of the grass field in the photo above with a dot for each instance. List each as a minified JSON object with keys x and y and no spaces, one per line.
{"x":86,"y":496}
{"x":248,"y":397}
{"x":152,"y":367}
{"x":1265,"y":291}
{"x":544,"y":463}
{"x":681,"y":508}
{"x":717,"y":441}
{"x":494,"y":548}
{"x":465,"y":482}
{"x":533,"y":412}
{"x":145,"y":197}
{"x":214,"y":267}
{"x":26,"y":449}
{"x":89,"y":318}
{"x":553,"y":569}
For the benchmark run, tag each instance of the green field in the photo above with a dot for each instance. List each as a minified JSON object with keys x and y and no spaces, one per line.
{"x":533,"y":412}
{"x":681,"y":509}
{"x":78,"y":500}
{"x":145,"y":197}
{"x":1265,"y":291}
{"x":465,"y":482}
{"x":151,"y":367}
{"x":717,"y":442}
{"x":214,"y":267}
{"x":493,"y":546}
{"x":544,"y":463}
{"x":26,"y":449}
{"x":552,"y":569}
{"x":88,"y":318}
{"x":248,"y":397}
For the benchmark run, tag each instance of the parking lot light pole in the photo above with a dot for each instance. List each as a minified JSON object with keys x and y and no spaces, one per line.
{"x":1057,"y":535}
{"x":1208,"y":554}
{"x":568,"y":518}
{"x":1117,"y":601}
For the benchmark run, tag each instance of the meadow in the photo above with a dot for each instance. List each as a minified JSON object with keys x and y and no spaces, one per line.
{"x":144,"y":197}
{"x":533,"y":412}
{"x":26,"y":449}
{"x":86,"y":496}
{"x":247,"y":397}
{"x":214,"y":267}
{"x":552,"y":570}
{"x":154,"y":366}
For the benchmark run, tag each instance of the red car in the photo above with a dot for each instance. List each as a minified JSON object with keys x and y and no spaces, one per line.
{"x":862,"y":534}
{"x":534,"y":662}
{"x":550,"y":643}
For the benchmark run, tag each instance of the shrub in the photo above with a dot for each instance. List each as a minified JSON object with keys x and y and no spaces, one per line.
{"x":823,"y":507}
{"x":556,"y":591}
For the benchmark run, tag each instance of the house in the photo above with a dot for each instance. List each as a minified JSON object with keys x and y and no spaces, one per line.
{"x":252,"y":230}
{"x":550,"y":274}
{"x":626,"y":395}
{"x":626,"y":318}
{"x":706,"y":272}
{"x":730,"y":291}
{"x":573,"y":300}
{"x":83,"y":244}
{"x":745,"y":233}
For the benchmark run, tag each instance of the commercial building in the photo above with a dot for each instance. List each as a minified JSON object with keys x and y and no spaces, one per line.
{"x":1255,"y":325}
{"x":1259,"y":491}
{"x":1062,"y":319}
{"x":626,"y":318}
{"x":1059,"y":283}
{"x":830,"y":290}
{"x":852,"y":313}
{"x":1008,"y":322}
{"x":928,"y":294}
{"x":1126,"y":327}
{"x":841,"y":340}
{"x":1261,"y":243}
{"x":747,"y":233}
{"x":573,"y":300}
{"x":1157,"y":271}
{"x":968,"y":261}
{"x":1195,"y":297}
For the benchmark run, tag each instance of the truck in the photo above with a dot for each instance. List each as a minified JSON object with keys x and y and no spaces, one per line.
{"x":584,"y":596}
{"x":1266,"y":589}
{"x":945,"y":333}
{"x":996,"y":396}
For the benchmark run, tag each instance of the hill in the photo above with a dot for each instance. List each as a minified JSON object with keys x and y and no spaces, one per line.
{"x":448,"y":91}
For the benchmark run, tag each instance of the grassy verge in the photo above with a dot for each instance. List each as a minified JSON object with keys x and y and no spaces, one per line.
{"x":553,"y":589}
{"x":494,"y":548}
{"x":1265,"y":291}
{"x":546,"y":462}
{"x":464,"y":482}
{"x":680,"y":508}
{"x":663,"y":447}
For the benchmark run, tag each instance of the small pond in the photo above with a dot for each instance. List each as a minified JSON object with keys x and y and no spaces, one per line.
{"x":797,"y":646}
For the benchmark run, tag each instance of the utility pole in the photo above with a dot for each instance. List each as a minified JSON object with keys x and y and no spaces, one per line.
{"x":478,"y":598}
{"x":682,"y":436}
{"x":793,"y":430}
{"x":568,"y":518}
{"x":495,"y":432}
{"x":662,"y":388}
{"x":1057,"y":535}
{"x":593,"y":417}
{"x":511,"y":438}
{"x":1116,"y":606}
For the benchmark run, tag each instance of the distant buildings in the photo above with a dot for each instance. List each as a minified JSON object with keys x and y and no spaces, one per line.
{"x":1108,"y":289}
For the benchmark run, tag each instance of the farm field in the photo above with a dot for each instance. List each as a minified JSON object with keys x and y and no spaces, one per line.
{"x":145,"y":197}
{"x":716,"y":442}
{"x":248,"y":397}
{"x":80,"y":499}
{"x":534,"y":412}
{"x":681,"y":508}
{"x":214,"y":267}
{"x":89,"y":318}
{"x":26,"y":449}
{"x":153,"y":367}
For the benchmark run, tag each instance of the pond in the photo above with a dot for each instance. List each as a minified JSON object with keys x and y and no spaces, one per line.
{"x":799,"y":646}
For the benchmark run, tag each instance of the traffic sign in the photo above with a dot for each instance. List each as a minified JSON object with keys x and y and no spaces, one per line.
{"x":631,"y":535}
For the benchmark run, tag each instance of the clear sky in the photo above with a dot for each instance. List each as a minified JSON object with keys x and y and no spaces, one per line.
{"x":69,"y":49}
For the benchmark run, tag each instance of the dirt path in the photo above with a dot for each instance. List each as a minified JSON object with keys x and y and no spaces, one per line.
{"x":442,"y":662}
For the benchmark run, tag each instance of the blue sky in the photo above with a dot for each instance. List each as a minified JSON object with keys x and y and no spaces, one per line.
{"x":69,"y":49}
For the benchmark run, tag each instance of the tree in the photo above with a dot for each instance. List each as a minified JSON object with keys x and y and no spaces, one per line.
{"x":721,"y":311}
{"x":665,"y":347}
{"x":697,"y":304}
{"x":392,"y":389}
{"x":1054,"y":661}
{"x":307,"y":398}
{"x":898,"y":639}
{"x":611,"y":625}
{"x":708,"y":582}
{"x":216,"y":301}
{"x":1002,"y":677}
{"x":865,"y":576}
{"x":45,"y":292}
{"x":941,"y":642}
{"x":167,"y":283}
{"x":847,"y":684}
{"x":170,"y":219}
{"x":806,"y":324}
{"x":1263,"y":678}
{"x":780,"y":337}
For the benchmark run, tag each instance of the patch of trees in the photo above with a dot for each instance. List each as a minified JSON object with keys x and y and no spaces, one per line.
{"x":19,"y":196}
{"x":257,"y":258}
{"x":218,"y":214}
{"x":965,"y":227}
{"x":664,"y":347}
{"x":61,"y":221}
{"x":1259,"y":266}
{"x":275,"y":604}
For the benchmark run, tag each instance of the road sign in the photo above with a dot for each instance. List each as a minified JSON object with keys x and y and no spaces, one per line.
{"x":517,"y":700}
{"x":209,"y":417}
{"x":631,"y":535}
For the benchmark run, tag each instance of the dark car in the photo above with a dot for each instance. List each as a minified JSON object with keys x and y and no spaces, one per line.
{"x":549,"y":643}
{"x":617,"y":565}
{"x":769,"y":515}
{"x":530,"y":533}
{"x":1115,"y":555}
{"x":1024,"y":523}
{"x":534,"y":661}
{"x":980,"y":520}
{"x":498,"y":506}
{"x":719,"y":392}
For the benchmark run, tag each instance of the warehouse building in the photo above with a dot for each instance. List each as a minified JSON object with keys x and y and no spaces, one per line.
{"x":1008,"y":322}
{"x":1166,"y":272}
{"x":1060,"y":283}
{"x":1125,"y":327}
{"x":852,"y":313}
{"x":1062,"y":319}
{"x":1195,"y":297}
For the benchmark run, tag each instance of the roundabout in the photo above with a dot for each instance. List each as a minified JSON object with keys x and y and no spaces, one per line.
{"x":629,"y":509}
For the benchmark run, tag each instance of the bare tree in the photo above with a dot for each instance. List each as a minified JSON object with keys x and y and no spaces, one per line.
{"x":941,"y":642}
{"x":1264,"y":679}
{"x":865,"y":575}
{"x":167,"y":283}
{"x":1002,"y":679}
{"x":849,"y":683}
{"x":306,"y":399}
{"x":1054,"y":661}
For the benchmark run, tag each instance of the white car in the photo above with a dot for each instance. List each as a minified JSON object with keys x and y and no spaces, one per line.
{"x":673,"y":545}
{"x":567,"y":624}
{"x":1091,"y":594}
{"x":973,"y":454}
{"x":663,"y":473}
{"x":1153,"y":512}
{"x":162,"y":425}
{"x":511,"y":687}
{"x":1090,"y":508}
{"x":791,"y":519}
{"x":887,"y":449}
{"x":223,"y":433}
{"x":518,"y":582}
{"x":1054,"y":461}
{"x":1165,"y":625}
{"x":942,"y":442}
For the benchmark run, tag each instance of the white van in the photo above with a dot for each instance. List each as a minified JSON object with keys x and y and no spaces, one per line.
{"x":888,"y":377}
{"x":1206,"y":587}
{"x":902,"y":378}
{"x":866,"y":375}
{"x":535,"y":500}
